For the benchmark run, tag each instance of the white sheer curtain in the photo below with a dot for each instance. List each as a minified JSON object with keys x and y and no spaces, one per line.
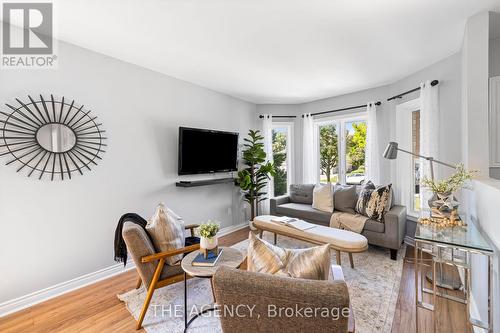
{"x":372,"y":154}
{"x":309,"y":170}
{"x":267,"y":133}
{"x":429,"y":134}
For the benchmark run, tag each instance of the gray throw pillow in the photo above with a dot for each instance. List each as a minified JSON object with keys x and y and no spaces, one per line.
{"x":373,"y":200}
{"x":301,"y":193}
{"x":345,"y":198}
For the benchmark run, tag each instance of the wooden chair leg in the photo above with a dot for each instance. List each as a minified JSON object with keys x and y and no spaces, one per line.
{"x":275,"y":238}
{"x":339,"y":261}
{"x":139,"y":282}
{"x":149,"y":295}
{"x":261,"y":233}
{"x":351,"y":261}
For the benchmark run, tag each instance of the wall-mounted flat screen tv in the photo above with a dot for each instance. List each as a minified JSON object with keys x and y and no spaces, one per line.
{"x":207,"y":151}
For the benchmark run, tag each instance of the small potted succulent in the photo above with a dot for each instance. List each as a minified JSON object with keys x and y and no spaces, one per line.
{"x":208,"y":233}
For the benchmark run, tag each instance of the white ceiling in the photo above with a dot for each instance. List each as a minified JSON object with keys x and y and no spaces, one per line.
{"x":272,"y":51}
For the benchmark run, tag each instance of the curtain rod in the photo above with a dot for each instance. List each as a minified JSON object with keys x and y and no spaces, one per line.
{"x":433,"y":83}
{"x":324,"y":112}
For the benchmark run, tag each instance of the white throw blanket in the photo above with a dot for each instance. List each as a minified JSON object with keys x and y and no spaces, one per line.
{"x":348,"y":221}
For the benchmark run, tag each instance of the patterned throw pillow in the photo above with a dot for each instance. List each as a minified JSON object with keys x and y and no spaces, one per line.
{"x":166,"y":230}
{"x":311,"y":263}
{"x":373,"y":200}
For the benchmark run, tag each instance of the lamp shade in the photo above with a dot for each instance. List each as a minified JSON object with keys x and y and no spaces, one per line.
{"x":391,"y":152}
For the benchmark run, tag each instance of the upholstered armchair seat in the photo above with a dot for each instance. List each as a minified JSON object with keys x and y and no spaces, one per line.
{"x":153,"y":272}
{"x":259,"y":291}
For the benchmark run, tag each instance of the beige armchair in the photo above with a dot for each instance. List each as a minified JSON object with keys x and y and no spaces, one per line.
{"x":151,"y":265}
{"x":241,"y":291}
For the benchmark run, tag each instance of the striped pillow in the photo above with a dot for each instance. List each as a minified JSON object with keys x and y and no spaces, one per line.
{"x":311,"y":263}
{"x":166,"y":230}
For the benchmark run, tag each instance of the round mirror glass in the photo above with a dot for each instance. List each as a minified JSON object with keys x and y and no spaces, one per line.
{"x":56,"y":138}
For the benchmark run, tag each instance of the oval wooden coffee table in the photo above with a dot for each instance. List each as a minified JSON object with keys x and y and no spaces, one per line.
{"x":229,"y":257}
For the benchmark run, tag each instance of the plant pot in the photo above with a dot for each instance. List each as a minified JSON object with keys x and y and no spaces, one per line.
{"x":209,"y":243}
{"x":252,"y":227}
{"x":444,"y":202}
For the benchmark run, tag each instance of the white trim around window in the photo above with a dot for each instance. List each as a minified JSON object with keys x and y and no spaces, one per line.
{"x":405,"y":184}
{"x":339,"y":121}
{"x":289,"y":150}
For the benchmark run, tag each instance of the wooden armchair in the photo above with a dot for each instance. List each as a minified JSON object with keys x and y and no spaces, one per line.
{"x":151,"y":265}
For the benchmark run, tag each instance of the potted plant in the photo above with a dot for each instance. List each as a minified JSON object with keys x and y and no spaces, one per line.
{"x":443,"y":199}
{"x":253,"y":179}
{"x":208,"y":235}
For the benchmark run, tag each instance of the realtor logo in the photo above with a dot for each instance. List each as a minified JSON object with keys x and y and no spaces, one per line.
{"x":27,"y":35}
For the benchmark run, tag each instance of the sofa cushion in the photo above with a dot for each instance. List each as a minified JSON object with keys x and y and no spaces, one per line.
{"x":301,"y":193}
{"x":166,"y":230}
{"x":375,"y":226}
{"x":303,"y":211}
{"x":345,"y":198}
{"x":372,"y":200}
{"x":323,"y":197}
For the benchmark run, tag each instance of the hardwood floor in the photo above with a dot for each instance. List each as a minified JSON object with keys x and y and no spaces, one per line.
{"x":96,"y":308}
{"x":451,"y":316}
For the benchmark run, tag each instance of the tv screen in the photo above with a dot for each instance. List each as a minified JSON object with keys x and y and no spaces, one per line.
{"x":205,"y":151}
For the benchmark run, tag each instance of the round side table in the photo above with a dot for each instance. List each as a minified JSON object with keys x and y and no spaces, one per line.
{"x":229,"y":257}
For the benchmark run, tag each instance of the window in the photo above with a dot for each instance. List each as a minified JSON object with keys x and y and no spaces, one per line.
{"x":282,"y":134}
{"x":355,"y":140}
{"x":342,"y":157}
{"x":407,"y":170}
{"x":328,"y":152}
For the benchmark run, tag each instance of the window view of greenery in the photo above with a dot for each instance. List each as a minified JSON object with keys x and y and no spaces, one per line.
{"x":355,"y":143}
{"x":280,"y":160}
{"x":355,"y":138}
{"x":328,"y":152}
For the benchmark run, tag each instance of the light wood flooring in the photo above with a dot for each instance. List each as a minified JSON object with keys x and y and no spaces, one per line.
{"x":96,"y":308}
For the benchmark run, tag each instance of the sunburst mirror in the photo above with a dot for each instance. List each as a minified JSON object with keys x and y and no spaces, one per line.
{"x":50,"y":137}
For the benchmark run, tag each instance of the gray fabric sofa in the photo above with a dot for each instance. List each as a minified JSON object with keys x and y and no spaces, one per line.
{"x":389,"y":234}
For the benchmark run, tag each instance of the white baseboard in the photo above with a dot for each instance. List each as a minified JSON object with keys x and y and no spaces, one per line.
{"x":39,"y":296}
{"x":230,"y":229}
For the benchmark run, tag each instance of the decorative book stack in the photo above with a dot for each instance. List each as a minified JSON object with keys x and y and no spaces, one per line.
{"x":209,"y":261}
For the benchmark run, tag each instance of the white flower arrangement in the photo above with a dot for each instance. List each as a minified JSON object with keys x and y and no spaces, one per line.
{"x":209,"y":229}
{"x":453,"y":183}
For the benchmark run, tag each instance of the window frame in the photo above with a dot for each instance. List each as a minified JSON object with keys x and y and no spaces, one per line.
{"x":404,"y":169}
{"x":289,"y":152}
{"x":339,"y":121}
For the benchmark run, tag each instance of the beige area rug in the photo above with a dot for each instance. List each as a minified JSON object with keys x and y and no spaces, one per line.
{"x":373,"y":289}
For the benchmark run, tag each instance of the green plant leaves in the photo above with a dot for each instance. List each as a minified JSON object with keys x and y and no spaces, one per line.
{"x":254,"y":178}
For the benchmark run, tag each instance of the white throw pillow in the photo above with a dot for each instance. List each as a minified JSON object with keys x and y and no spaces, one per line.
{"x":166,"y":230}
{"x":323,"y":197}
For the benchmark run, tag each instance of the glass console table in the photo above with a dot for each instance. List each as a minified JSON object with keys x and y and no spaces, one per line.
{"x":451,"y":246}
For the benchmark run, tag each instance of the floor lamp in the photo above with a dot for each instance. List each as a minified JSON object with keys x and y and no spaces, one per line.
{"x":391,"y":153}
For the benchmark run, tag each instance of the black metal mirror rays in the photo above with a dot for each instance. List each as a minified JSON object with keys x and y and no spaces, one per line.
{"x":51,"y":137}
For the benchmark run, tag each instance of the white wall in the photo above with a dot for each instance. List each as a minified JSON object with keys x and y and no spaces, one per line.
{"x":55,"y":231}
{"x":494,"y":64}
{"x":448,"y":72}
{"x":482,"y":203}
{"x":475,"y":139}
